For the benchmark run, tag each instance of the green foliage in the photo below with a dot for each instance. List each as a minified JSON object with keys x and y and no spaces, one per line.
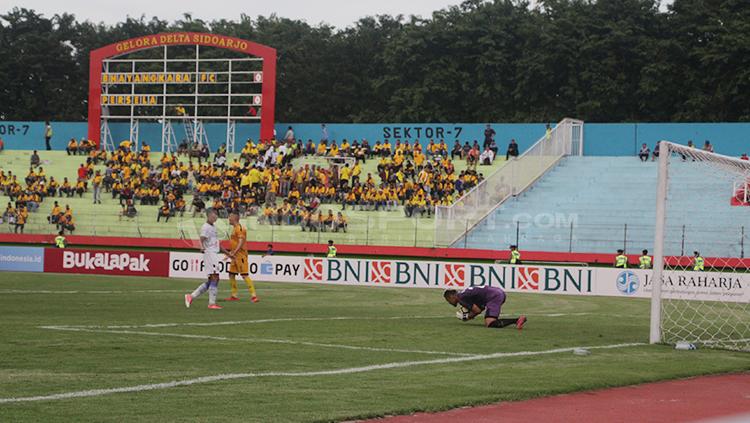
{"x":501,"y":60}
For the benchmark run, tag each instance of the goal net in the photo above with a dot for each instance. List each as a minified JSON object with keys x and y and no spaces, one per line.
{"x":699,"y":250}
{"x":512,"y":178}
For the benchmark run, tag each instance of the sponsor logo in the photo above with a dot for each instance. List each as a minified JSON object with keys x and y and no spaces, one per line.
{"x":718,"y":281}
{"x":455,"y":275}
{"x":380,"y":271}
{"x":194,"y":264}
{"x":273,"y":269}
{"x":197,"y":265}
{"x":105,"y":261}
{"x":22,"y":259}
{"x":313,"y":269}
{"x":627,"y":282}
{"x":14,"y":258}
{"x":528,"y":278}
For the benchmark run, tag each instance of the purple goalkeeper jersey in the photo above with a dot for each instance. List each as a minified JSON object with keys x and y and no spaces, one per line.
{"x":484,"y":297}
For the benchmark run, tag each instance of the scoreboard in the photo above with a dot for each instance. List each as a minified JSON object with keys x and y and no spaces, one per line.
{"x":182,"y":79}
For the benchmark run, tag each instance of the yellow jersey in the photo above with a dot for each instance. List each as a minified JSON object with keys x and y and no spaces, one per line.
{"x":345,"y":173}
{"x":239,"y":234}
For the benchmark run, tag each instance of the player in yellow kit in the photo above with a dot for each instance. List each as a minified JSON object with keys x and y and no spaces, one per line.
{"x":238,"y":254}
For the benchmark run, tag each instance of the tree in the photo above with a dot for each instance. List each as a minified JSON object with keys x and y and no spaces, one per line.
{"x":480,"y":61}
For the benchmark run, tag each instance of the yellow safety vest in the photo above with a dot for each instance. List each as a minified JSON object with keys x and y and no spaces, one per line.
{"x":645,"y":262}
{"x":621,"y":261}
{"x":699,"y":263}
{"x":331,"y":251}
{"x":515,"y":256}
{"x":60,"y":241}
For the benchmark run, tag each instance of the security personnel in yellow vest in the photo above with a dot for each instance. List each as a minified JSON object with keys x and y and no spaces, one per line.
{"x":331,"y":250}
{"x":60,"y":240}
{"x":621,"y":260}
{"x":515,"y":255}
{"x":698,"y":261}
{"x":645,"y":260}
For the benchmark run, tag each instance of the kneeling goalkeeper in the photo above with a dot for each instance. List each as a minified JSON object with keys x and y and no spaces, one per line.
{"x":477,"y":299}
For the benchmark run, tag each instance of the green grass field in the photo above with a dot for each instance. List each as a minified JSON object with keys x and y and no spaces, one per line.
{"x":305,"y":352}
{"x":365,"y":228}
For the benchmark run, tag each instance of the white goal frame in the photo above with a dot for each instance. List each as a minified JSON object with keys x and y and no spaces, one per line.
{"x":667,"y":149}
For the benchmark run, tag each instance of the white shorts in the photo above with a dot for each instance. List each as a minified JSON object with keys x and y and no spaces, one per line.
{"x":211,"y":262}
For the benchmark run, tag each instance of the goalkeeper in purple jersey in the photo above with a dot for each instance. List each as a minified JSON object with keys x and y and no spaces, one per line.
{"x":477,"y":299}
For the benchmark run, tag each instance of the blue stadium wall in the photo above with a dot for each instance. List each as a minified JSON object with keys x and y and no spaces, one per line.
{"x":600,"y":139}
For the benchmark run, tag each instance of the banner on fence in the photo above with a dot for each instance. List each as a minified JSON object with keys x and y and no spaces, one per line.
{"x":433,"y":274}
{"x":21,"y":259}
{"x":107,"y":262}
{"x":685,"y":285}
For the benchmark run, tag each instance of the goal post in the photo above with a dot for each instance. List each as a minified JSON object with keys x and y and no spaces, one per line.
{"x":699,"y":235}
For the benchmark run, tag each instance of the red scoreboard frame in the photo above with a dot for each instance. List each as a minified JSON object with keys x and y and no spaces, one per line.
{"x":97,"y":57}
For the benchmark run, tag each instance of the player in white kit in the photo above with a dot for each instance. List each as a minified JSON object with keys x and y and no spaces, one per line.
{"x":210,"y":249}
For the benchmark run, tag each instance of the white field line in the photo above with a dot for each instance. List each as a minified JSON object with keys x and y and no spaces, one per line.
{"x":590,"y":313}
{"x":243,"y":322}
{"x":253,"y":340}
{"x":721,"y":341}
{"x":140,"y":291}
{"x":69,"y":292}
{"x":332,"y":372}
{"x":288,"y":319}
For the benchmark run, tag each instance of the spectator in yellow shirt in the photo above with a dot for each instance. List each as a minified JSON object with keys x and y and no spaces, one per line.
{"x":72,"y":148}
{"x":345,"y":174}
{"x":340,"y":223}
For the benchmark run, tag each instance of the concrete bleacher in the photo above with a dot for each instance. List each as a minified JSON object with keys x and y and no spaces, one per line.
{"x":601,"y":204}
{"x":365,"y":227}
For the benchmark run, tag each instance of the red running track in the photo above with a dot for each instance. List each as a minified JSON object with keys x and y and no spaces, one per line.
{"x":686,"y":400}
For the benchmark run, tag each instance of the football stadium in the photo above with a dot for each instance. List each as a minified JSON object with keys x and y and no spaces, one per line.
{"x":487,"y":210}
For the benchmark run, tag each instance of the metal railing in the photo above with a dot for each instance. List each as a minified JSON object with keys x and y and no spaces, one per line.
{"x":515,"y":176}
{"x":393,"y":229}
{"x":378,"y":228}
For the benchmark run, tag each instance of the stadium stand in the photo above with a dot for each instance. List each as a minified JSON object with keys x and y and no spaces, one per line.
{"x":601,"y":204}
{"x":291,"y":185}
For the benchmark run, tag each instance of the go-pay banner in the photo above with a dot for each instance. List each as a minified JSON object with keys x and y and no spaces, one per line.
{"x":432,"y":274}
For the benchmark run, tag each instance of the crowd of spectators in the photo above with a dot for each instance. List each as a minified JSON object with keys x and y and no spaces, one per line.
{"x":27,"y":197}
{"x":262,"y":182}
{"x":645,"y":152}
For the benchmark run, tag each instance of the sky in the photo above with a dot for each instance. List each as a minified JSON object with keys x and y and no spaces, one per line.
{"x":339,"y":13}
